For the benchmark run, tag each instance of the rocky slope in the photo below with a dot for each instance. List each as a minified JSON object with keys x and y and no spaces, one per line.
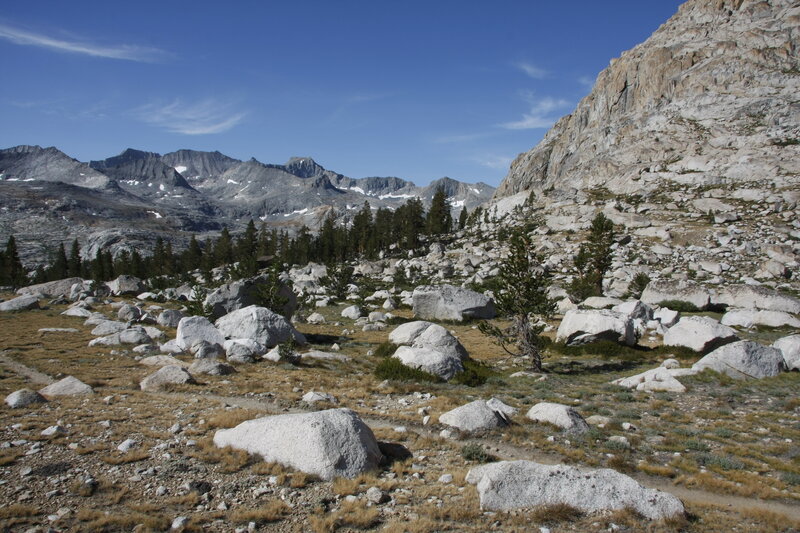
{"x":709,"y":99}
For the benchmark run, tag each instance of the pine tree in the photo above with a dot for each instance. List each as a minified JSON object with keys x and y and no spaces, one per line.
{"x":223,"y":248}
{"x":593,"y":259}
{"x":409,"y":223}
{"x":462,"y":218}
{"x":193,"y":256}
{"x":521,"y":294}
{"x":439,"y":220}
{"x":361,"y":229}
{"x":14,"y":272}
{"x":74,"y":262}
{"x":59,"y":268}
{"x":247,"y":243}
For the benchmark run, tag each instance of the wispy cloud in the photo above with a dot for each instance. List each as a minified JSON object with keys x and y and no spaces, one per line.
{"x":494,"y":161}
{"x":462,"y":138}
{"x":541,"y":114}
{"x":532,"y":71}
{"x":121,"y":51}
{"x":586,"y":81}
{"x":199,"y":118}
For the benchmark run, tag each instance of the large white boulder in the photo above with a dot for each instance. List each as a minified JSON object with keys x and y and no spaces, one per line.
{"x":654,"y":380}
{"x":634,"y":309}
{"x":744,"y":359}
{"x":438,"y":338}
{"x":581,"y":326}
{"x":699,"y":333}
{"x":259,"y":324}
{"x":20,"y":303}
{"x":406,"y":333}
{"x":759,"y":297}
{"x":658,"y":291}
{"x":446,"y":302}
{"x":328,"y":444}
{"x":69,"y":386}
{"x":51,"y":289}
{"x":166,"y":376}
{"x":243,"y":293}
{"x":444,"y":365}
{"x":169,"y":318}
{"x":474,"y":416}
{"x":23,"y":398}
{"x":510,"y":485}
{"x":790,"y":347}
{"x":747,"y":318}
{"x":194,"y":329}
{"x":559,"y":415}
{"x":125,"y":284}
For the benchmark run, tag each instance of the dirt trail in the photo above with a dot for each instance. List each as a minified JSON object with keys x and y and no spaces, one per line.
{"x":32,"y":375}
{"x":503,"y":450}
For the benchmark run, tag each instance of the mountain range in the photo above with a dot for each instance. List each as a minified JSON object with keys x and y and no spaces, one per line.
{"x":47,"y":197}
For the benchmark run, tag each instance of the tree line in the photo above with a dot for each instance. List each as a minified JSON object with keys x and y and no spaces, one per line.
{"x":368,"y":235}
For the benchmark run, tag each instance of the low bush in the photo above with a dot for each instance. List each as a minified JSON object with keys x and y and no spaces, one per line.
{"x":475,"y":453}
{"x":385,"y":349}
{"x":680,"y":305}
{"x":474,"y":374}
{"x":393,"y":369}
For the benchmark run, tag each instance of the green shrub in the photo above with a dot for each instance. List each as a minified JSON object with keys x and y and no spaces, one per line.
{"x":393,"y":369}
{"x":638,"y":285}
{"x":385,"y":349}
{"x":790,"y":478}
{"x":475,"y":453}
{"x":680,"y":305}
{"x":605,"y":349}
{"x":475,"y":374}
{"x":720,"y":461}
{"x":696,"y":445}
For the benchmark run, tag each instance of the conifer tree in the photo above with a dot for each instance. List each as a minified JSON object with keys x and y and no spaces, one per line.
{"x":462,"y":218}
{"x":521,"y":295}
{"x":223,"y":248}
{"x":14,"y":272}
{"x":74,"y":261}
{"x":593,"y":259}
{"x":439,"y":220}
{"x":59,"y":268}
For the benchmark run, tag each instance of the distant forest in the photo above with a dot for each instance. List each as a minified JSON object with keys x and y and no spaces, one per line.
{"x":367,"y":236}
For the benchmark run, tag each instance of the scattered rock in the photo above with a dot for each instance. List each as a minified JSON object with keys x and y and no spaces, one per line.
{"x":325,"y":443}
{"x":790,"y":348}
{"x":582,"y":326}
{"x":432,"y":361}
{"x":259,"y":324}
{"x":69,"y":386}
{"x":747,"y":318}
{"x":20,"y":303}
{"x":166,"y":376}
{"x":24,"y":398}
{"x":699,"y":333}
{"x":474,"y":416}
{"x":510,"y":485}
{"x":446,"y":302}
{"x":683,"y":291}
{"x":193,"y":329}
{"x":559,"y":415}
{"x":211,"y":367}
{"x":744,"y":359}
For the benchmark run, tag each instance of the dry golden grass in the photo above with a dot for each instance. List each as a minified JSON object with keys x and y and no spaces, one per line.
{"x":229,"y":459}
{"x":228,"y":418}
{"x":272,"y":511}
{"x":354,"y":515}
{"x":9,"y":456}
{"x":132,"y":456}
{"x":299,"y":480}
{"x":18,"y":510}
{"x":656,"y":470}
{"x":554,"y":514}
{"x":90,"y":449}
{"x":346,"y":487}
{"x":115,"y":521}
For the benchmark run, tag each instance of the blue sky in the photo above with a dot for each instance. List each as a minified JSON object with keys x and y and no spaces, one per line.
{"x":412,"y":89}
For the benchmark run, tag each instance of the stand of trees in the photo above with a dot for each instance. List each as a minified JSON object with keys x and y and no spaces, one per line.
{"x":369,"y":234}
